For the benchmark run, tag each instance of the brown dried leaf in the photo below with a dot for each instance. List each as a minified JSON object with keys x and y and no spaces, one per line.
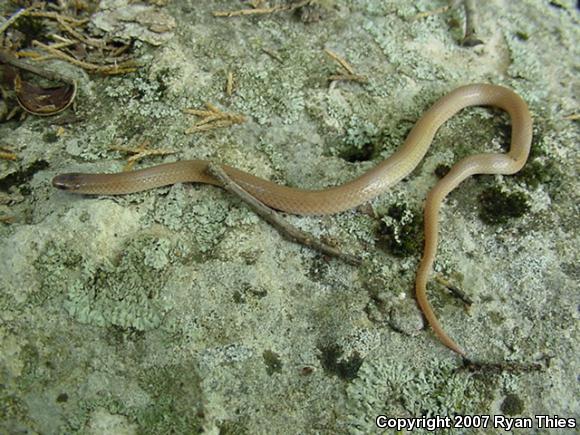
{"x":43,"y":101}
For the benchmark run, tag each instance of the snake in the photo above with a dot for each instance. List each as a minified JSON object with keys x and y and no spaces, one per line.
{"x":360,"y":190}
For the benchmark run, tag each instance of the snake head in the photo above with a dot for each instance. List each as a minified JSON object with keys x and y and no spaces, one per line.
{"x":70,"y":182}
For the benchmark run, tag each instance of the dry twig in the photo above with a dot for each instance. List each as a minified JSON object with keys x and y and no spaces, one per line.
{"x":470,"y":39}
{"x":457,"y":292}
{"x":18,"y":14}
{"x":7,"y":155}
{"x":69,"y":25}
{"x":346,"y":72}
{"x":120,"y":68}
{"x":272,"y":54}
{"x":230,"y":84}
{"x":56,"y":16}
{"x":7,"y":58}
{"x":273,"y":218}
{"x":7,"y":219}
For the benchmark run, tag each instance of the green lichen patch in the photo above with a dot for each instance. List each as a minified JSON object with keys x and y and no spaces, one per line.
{"x":126,"y":292}
{"x":333,"y":362}
{"x":283,"y":96}
{"x":143,"y":87}
{"x":58,"y":266}
{"x":203,"y":221}
{"x":360,"y":141}
{"x":399,"y":231}
{"x":497,"y":206}
{"x":177,"y":401}
{"x":393,"y":388}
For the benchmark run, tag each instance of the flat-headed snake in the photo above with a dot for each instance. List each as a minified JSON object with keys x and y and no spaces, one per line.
{"x":362,"y":189}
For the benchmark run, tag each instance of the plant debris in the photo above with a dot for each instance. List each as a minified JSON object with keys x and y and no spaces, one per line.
{"x":97,"y":36}
{"x":258,"y":8}
{"x":213,"y":118}
{"x":346,"y":71}
{"x":270,"y":215}
{"x":470,"y":38}
{"x":140,"y":152}
{"x":6,"y":153}
{"x":33,"y":99}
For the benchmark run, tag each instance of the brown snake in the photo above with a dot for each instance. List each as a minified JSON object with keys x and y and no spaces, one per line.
{"x":362,"y":189}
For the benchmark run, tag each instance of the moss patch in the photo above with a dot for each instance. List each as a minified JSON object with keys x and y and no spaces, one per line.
{"x":272,"y":361}
{"x":512,"y":405}
{"x":497,"y":207}
{"x":331,"y":361}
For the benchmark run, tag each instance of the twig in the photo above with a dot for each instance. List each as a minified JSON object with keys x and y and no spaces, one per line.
{"x":7,"y":155}
{"x":5,"y":57}
{"x":57,"y":16}
{"x":470,"y":40}
{"x":455,"y":290}
{"x":260,"y":11}
{"x":18,"y":14}
{"x":272,"y":54}
{"x":342,"y":62}
{"x":273,"y":218}
{"x":7,"y":219}
{"x":348,"y":73}
{"x":62,"y":42}
{"x":121,"y":68}
{"x":348,"y":77}
{"x":230,"y":84}
{"x":89,"y":41}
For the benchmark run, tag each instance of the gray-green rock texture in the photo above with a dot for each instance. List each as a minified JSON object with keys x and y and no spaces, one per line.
{"x":179,"y":311}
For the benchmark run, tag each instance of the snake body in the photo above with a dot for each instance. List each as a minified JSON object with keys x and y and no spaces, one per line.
{"x":360,"y":190}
